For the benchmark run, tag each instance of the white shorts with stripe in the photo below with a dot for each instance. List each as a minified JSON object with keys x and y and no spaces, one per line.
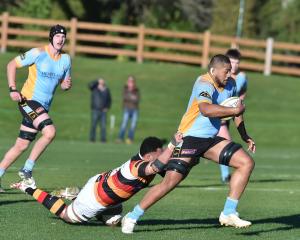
{"x":85,"y":206}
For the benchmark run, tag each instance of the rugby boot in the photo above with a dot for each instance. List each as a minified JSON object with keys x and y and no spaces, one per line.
{"x":233,"y":220}
{"x":128,"y":224}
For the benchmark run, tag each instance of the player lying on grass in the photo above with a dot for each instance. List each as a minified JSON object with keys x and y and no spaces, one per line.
{"x":109,"y":189}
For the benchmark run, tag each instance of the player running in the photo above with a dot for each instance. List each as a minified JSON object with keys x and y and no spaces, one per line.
{"x":108,"y":190}
{"x":48,"y":67}
{"x":200,"y":125}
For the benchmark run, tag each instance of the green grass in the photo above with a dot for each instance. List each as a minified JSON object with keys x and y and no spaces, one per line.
{"x":271,"y":200}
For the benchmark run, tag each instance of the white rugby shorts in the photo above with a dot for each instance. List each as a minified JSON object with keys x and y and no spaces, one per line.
{"x":85,"y":206}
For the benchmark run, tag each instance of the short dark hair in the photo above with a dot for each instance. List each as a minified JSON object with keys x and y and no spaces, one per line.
{"x":234,"y":54}
{"x":150,"y":144}
{"x":217,"y":60}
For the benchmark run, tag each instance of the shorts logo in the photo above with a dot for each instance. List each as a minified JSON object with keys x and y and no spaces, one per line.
{"x":205,"y":94}
{"x":188,"y":151}
{"x":39,"y":110}
{"x":176,"y":152}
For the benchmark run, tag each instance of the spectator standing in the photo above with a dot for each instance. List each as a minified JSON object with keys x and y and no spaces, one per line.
{"x":100,"y":104}
{"x":131,"y":99}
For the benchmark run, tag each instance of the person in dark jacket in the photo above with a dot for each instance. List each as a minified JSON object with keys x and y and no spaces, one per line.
{"x":100,"y":104}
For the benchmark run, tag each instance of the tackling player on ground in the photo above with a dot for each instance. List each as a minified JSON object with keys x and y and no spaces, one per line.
{"x":48,"y":67}
{"x":109,"y":189}
{"x":200,"y":126}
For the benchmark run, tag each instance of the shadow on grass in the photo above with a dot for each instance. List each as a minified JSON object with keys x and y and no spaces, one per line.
{"x":199,"y":186}
{"x":179,"y":224}
{"x":291,"y":222}
{"x":270,"y":180}
{"x":170,"y":224}
{"x":15,"y":201}
{"x":11,"y":192}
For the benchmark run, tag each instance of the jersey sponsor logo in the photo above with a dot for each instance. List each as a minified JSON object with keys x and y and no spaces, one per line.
{"x":50,"y":75}
{"x":23,"y":56}
{"x":188,"y":151}
{"x":205,"y":94}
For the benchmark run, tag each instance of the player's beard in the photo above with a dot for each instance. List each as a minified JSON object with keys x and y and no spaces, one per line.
{"x":222,"y":83}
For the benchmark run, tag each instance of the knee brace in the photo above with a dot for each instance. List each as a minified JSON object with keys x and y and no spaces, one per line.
{"x":44,"y":123}
{"x":179,"y":166}
{"x":27,"y":135}
{"x":227,"y":153}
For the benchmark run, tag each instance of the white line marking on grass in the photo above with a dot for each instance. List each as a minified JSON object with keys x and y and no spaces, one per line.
{"x":291,"y":191}
{"x":277,"y":166}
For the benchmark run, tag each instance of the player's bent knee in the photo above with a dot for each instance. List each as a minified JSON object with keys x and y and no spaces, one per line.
{"x":227,"y":153}
{"x":64,"y":216}
{"x":44,"y":123}
{"x":250,"y":164}
{"x":179,"y":166}
{"x":49,"y":132}
{"x":69,"y":215}
{"x":246,"y":163}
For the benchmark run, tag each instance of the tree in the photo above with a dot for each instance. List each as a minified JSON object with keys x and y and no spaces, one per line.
{"x":279,"y":19}
{"x":32,"y":8}
{"x":188,"y":15}
{"x":225,"y":17}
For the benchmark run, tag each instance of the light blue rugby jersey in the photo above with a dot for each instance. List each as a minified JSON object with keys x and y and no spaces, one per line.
{"x":45,"y":72}
{"x":193,"y":123}
{"x":241,"y":83}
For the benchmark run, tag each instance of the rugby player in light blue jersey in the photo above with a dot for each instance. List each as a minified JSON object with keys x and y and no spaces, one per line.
{"x":200,"y":125}
{"x":48,"y":67}
{"x":241,"y":87}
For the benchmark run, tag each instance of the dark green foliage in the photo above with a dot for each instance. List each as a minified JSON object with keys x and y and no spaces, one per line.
{"x":32,"y":8}
{"x":262,"y":18}
{"x":279,"y":19}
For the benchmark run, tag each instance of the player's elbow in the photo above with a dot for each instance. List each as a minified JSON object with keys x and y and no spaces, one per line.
{"x":11,"y":66}
{"x":205,"y":113}
{"x":204,"y":109}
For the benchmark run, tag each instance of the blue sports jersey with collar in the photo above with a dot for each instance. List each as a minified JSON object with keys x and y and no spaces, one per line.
{"x":45,"y":72}
{"x":193,"y":123}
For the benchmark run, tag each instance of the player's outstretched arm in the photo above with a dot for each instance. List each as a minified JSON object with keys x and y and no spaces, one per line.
{"x":159,"y":164}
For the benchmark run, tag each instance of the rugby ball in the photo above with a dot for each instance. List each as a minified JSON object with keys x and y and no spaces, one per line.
{"x":229,"y":102}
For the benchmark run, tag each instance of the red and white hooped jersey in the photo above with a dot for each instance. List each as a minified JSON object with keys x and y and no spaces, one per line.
{"x":121,"y":183}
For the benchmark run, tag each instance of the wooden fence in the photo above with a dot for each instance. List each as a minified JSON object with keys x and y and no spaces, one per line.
{"x":141,"y":43}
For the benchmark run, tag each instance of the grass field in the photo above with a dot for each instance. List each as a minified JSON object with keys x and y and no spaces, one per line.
{"x":271,"y":200}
